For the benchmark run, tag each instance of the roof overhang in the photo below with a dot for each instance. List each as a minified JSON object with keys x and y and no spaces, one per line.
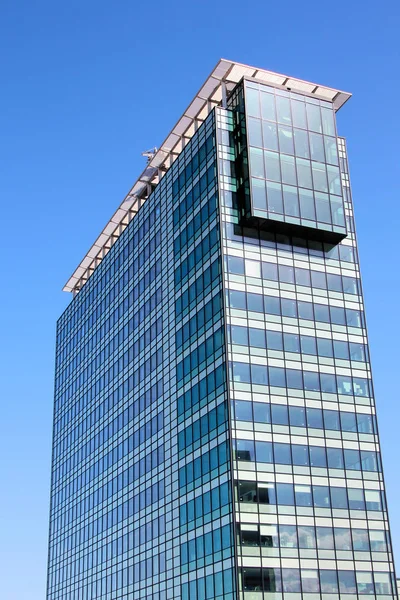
{"x":224,"y":77}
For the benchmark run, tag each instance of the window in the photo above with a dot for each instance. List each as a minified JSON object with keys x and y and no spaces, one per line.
{"x":331,"y":419}
{"x":321,"y":313}
{"x":329,"y":582}
{"x":325,"y":347}
{"x":306,"y":197}
{"x":291,"y":200}
{"x":252,"y":102}
{"x":272,"y":305}
{"x":347,"y":582}
{"x":256,"y":163}
{"x":306,"y":536}
{"x":357,"y":352}
{"x":317,"y":147}
{"x":299,"y":114}
{"x":325,"y":538}
{"x":286,"y":274}
{"x":279,"y":414}
{"x":270,"y":134}
{"x":294,"y":379}
{"x":261,"y":412}
{"x":269,"y":536}
{"x":241,"y":372}
{"x":382,"y":583}
{"x":356,"y":499}
{"x":318,"y":279}
{"x":249,"y":537}
{"x":335,"y":458}
{"x":303,"y":495}
{"x":314,"y":418}
{"x":364,"y":423}
{"x":274,"y":340}
{"x":288,"y":536}
{"x":239,"y":335}
{"x":282,"y":454}
{"x":259,"y":375}
{"x":378,"y":541}
{"x":235,"y":265}
{"x":243,"y":410}
{"x":291,"y":580}
{"x":348,"y":420}
{"x":283,"y":110}
{"x":268,"y":106}
{"x":311,"y":381}
{"x":314,"y":117}
{"x":297,"y":416}
{"x":321,"y":496}
{"x":341,"y":349}
{"x":317,"y":456}
{"x":310,"y":581}
{"x":237,"y":300}
{"x":267,"y":493}
{"x":352,"y":460}
{"x":305,"y":310}
{"x":361,"y":387}
{"x":300,"y":455}
{"x":373,"y":500}
{"x":274,"y":195}
{"x":302,"y":277}
{"x":272,"y":580}
{"x":257,"y":337}
{"x":244,"y":450}
{"x":308,"y":345}
{"x":369,"y":461}
{"x":255,"y":302}
{"x":247,"y":491}
{"x":269,"y":271}
{"x":272,"y":168}
{"x":328,"y":383}
{"x":285,"y":136}
{"x":277,"y":377}
{"x":339,"y":497}
{"x":360,"y":540}
{"x":291,"y":342}
{"x":334,"y":282}
{"x":252,"y":580}
{"x":284,"y":492}
{"x":253,"y":268}
{"x":258,"y":193}
{"x":342,"y":538}
{"x":264,"y":452}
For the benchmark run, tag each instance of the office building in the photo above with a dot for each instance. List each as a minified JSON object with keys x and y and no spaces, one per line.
{"x":215,"y":432}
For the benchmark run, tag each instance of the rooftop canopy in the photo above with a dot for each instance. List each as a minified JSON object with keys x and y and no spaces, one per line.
{"x":217,"y":86}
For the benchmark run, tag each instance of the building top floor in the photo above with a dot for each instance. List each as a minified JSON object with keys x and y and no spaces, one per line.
{"x":214,"y":92}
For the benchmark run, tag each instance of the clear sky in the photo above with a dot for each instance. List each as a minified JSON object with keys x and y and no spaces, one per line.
{"x":85,"y":87}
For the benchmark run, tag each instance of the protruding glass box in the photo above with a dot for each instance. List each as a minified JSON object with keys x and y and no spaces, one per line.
{"x":292,"y":163}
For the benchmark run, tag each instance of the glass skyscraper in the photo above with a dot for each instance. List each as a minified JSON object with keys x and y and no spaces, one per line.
{"x":215,"y":432}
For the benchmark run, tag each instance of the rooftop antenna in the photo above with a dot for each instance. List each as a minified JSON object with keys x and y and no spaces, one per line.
{"x":150,"y":154}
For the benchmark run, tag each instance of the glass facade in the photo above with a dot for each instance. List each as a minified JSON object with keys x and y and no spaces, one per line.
{"x":215,"y":431}
{"x":141,"y":501}
{"x":292,"y":161}
{"x":310,"y":511}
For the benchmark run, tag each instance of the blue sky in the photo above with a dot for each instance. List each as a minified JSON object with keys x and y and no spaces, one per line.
{"x":87,"y":86}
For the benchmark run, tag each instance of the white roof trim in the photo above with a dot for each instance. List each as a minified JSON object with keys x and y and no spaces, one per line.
{"x":209,"y":95}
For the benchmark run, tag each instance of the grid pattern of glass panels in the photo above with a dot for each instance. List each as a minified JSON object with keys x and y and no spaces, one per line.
{"x":141,"y":495}
{"x":215,"y":429}
{"x":293,"y":158}
{"x":310,"y":508}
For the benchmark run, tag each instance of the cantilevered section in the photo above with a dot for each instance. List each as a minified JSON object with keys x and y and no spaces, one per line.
{"x":214,"y":91}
